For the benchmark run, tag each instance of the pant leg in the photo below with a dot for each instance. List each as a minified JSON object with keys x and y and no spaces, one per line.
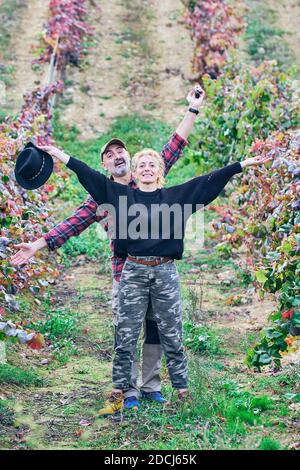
{"x":166,"y":303}
{"x":134,"y":368}
{"x":151,"y":355}
{"x":133,"y":304}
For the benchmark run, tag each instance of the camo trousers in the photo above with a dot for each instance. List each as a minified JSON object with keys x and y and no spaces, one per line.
{"x":151,"y":351}
{"x":160,"y":284}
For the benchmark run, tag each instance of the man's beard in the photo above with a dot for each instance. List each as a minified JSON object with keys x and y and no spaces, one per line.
{"x":121,"y":170}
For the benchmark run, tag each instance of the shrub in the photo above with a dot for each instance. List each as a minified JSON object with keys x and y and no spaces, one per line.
{"x":214,"y":26}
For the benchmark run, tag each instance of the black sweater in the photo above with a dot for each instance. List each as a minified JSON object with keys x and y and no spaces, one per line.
{"x":147,"y":230}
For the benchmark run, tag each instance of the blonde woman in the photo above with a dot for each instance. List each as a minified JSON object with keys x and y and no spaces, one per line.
{"x":150,"y":246}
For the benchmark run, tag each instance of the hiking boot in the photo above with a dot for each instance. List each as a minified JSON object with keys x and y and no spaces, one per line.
{"x":113,"y":405}
{"x":131,"y":403}
{"x":153,"y":396}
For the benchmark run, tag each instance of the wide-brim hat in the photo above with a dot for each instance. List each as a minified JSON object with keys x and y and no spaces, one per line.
{"x":33,"y":167}
{"x":111,"y":142}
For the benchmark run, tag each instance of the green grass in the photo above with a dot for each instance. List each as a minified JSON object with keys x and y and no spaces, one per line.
{"x":6,"y":414}
{"x":61,"y":327}
{"x":15,"y":375}
{"x":264,"y":39}
{"x":269,"y":444}
{"x":202,"y":339}
{"x":220,"y":415}
{"x":91,"y":244}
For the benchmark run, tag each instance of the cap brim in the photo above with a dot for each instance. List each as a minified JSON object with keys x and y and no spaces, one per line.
{"x":111,"y":142}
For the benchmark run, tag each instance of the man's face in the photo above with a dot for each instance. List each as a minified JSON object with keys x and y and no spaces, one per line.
{"x":116,"y":160}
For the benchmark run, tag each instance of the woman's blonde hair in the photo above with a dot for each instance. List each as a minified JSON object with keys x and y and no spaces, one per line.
{"x":158,"y":157}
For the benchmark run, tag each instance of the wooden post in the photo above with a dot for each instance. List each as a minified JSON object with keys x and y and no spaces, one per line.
{"x":52,"y":72}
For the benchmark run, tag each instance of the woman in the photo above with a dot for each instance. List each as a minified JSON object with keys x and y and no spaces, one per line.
{"x":150,"y":273}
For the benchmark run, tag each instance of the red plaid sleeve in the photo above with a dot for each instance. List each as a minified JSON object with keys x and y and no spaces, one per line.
{"x":82,"y":218}
{"x":172,"y":150}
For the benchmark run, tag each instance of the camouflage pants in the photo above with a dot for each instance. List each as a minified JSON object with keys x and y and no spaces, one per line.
{"x":151,"y":351}
{"x":160,"y":284}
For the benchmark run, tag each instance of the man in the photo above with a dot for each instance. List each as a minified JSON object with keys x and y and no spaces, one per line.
{"x":116,"y":160}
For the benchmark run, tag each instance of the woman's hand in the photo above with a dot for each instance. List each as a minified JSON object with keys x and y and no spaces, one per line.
{"x":55,"y":152}
{"x":27,"y":251}
{"x":255,"y":161}
{"x":192,"y":100}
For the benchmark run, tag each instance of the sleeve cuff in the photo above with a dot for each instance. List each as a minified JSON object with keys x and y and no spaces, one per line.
{"x":49,"y":241}
{"x":181,"y":141}
{"x":71,"y":163}
{"x":239,"y":167}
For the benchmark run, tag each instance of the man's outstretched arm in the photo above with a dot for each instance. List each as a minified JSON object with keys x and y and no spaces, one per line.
{"x":173,"y":149}
{"x":81,"y":219}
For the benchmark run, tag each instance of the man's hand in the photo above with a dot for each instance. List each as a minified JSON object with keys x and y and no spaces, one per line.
{"x":255,"y":161}
{"x":192,"y":100}
{"x":55,"y":152}
{"x":27,"y":251}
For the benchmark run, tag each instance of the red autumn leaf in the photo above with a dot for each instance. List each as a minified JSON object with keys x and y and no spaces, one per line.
{"x":37,"y":342}
{"x":2,"y":312}
{"x":288,"y":314}
{"x":49,"y":187}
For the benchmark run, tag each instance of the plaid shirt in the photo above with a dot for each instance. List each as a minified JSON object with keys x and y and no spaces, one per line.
{"x":86,"y":214}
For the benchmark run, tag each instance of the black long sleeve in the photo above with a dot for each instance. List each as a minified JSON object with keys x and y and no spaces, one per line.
{"x":93,"y":181}
{"x":217,"y":180}
{"x":205,"y":188}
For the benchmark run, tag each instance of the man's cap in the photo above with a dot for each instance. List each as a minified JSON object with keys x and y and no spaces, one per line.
{"x":111,"y":142}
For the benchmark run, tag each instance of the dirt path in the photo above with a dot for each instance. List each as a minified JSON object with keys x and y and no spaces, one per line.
{"x":138,"y":64}
{"x":26,"y":35}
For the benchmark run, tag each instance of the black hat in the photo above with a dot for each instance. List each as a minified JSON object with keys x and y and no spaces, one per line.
{"x":34,"y":166}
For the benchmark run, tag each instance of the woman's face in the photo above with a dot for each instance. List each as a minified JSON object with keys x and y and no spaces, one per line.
{"x":147,"y":170}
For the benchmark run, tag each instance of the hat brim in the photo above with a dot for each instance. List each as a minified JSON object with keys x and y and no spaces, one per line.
{"x":42,"y":178}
